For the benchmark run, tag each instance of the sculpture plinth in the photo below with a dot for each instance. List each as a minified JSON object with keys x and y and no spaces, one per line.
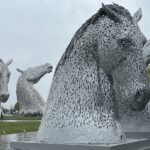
{"x":134,"y":144}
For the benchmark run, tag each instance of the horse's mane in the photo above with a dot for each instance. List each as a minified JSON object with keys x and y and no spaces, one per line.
{"x":119,"y":10}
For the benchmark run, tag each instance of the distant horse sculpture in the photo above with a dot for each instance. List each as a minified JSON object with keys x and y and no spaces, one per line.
{"x":146,"y":50}
{"x":103,"y":58}
{"x":4,"y":79}
{"x":146,"y":53}
{"x":29,"y":99}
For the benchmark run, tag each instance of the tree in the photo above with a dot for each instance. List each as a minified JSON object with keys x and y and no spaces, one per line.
{"x":16,"y":107}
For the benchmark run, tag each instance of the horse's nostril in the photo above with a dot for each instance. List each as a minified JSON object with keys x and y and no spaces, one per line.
{"x":139,"y":95}
{"x":140,"y":100}
{"x":50,"y":68}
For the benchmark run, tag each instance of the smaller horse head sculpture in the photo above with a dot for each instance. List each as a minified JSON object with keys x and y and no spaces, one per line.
{"x":35,"y":74}
{"x":146,"y":53}
{"x":30,"y":101}
{"x":4,"y":79}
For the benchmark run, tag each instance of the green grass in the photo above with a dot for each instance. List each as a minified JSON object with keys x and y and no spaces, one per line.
{"x":22,"y":118}
{"x":17,"y":127}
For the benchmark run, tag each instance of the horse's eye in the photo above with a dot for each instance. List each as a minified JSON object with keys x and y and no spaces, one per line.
{"x":144,"y":41}
{"x":8,"y":76}
{"x":125,"y":43}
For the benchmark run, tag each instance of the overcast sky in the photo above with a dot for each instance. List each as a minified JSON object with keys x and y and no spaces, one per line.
{"x":34,"y":32}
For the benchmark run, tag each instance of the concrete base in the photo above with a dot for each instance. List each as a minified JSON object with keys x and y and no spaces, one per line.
{"x":131,"y":144}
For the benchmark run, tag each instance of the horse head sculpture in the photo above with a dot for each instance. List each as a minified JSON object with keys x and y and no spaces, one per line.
{"x":4,"y":79}
{"x":104,"y":57}
{"x":30,"y":101}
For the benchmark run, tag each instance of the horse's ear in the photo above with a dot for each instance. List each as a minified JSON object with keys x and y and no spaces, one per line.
{"x":19,"y":70}
{"x":111,"y":13}
{"x":9,"y":62}
{"x":137,"y":15}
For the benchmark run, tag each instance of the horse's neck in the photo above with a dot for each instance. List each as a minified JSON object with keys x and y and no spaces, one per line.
{"x":23,"y":83}
{"x":32,"y":90}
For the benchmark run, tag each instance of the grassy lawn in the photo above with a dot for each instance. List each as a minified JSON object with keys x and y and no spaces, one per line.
{"x":16,"y":127}
{"x":22,"y":118}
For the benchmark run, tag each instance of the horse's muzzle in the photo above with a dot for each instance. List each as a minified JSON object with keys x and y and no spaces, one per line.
{"x":140,"y":100}
{"x":4,"y":97}
{"x":49,"y":69}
